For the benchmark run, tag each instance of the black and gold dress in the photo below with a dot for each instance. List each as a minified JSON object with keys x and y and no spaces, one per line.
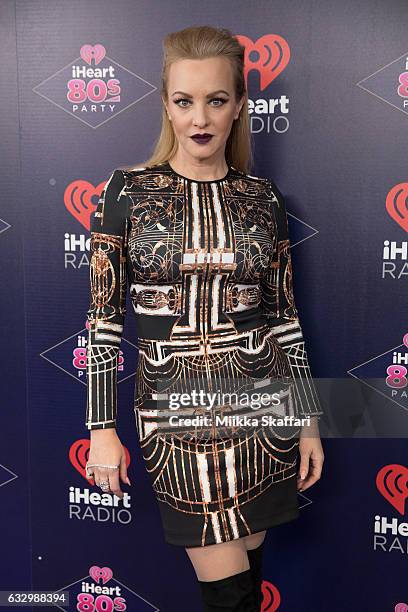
{"x":208,"y":267}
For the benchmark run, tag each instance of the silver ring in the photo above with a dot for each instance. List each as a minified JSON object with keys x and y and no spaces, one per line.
{"x":90,"y":474}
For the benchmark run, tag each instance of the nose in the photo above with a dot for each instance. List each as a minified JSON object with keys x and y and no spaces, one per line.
{"x":200,"y":115}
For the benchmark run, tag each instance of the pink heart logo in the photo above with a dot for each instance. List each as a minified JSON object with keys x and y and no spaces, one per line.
{"x":78,"y":200}
{"x":401,"y":607}
{"x":89,"y":53}
{"x":100,"y":573}
{"x":392,"y":483}
{"x":397,"y":204}
{"x":269,"y":55}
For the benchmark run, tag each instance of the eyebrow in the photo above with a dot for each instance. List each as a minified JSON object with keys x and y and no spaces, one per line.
{"x":210,"y":95}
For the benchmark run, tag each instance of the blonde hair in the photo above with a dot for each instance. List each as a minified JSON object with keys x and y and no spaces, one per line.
{"x":202,"y":42}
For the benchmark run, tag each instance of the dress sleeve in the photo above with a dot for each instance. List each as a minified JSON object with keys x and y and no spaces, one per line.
{"x":279,"y":306}
{"x":108,"y":285}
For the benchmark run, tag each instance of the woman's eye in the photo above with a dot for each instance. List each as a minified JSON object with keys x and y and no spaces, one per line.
{"x":219,"y":100}
{"x":181,"y":100}
{"x":185,"y":100}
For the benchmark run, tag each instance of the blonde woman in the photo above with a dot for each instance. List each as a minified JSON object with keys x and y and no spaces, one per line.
{"x":204,"y":247}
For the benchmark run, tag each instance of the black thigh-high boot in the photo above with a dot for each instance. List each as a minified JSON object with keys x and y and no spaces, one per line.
{"x":255,"y":556}
{"x":231,"y":594}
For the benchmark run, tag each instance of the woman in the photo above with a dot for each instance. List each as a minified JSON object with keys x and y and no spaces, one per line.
{"x":204,"y":246}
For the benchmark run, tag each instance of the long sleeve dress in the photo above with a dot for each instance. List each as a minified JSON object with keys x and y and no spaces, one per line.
{"x":209,"y":271}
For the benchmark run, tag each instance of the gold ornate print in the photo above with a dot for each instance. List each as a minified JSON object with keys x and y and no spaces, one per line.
{"x":103,"y":278}
{"x":209,"y":271}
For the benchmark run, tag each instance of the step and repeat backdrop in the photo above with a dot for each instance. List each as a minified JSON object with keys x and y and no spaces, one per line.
{"x":80,"y":96}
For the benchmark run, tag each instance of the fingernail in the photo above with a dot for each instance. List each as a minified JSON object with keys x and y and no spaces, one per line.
{"x":128,"y":481}
{"x":302,"y":475}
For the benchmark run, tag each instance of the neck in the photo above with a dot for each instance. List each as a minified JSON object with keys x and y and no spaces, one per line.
{"x":200,"y":171}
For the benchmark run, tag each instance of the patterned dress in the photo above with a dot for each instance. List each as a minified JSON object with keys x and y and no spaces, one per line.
{"x":209,"y":271}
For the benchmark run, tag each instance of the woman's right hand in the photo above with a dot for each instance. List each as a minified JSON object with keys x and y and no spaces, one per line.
{"x":106,"y":448}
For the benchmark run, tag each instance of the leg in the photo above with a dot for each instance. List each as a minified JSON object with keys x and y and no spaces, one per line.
{"x":254,"y":540}
{"x":255,"y":545}
{"x":219,"y":560}
{"x":224,"y":576}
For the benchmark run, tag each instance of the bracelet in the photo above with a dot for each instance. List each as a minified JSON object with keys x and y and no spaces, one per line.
{"x":89,"y":465}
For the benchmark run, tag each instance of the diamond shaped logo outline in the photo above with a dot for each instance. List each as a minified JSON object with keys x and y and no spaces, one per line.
{"x":377,"y":95}
{"x":4,"y":226}
{"x":14,"y":476}
{"x":66,"y":587}
{"x":314,"y":230}
{"x":83,"y":332}
{"x":372,"y":386}
{"x":78,"y":59}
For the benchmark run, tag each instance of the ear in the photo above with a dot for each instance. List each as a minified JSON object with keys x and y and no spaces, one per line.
{"x":240,"y":105}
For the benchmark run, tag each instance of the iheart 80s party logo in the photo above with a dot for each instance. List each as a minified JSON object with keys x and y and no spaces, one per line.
{"x":93,"y":87}
{"x":102,"y":592}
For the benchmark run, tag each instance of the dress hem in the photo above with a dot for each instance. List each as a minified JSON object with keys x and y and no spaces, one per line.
{"x":269,"y":522}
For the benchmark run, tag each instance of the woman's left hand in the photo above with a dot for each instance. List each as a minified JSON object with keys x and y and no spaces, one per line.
{"x":311,"y":459}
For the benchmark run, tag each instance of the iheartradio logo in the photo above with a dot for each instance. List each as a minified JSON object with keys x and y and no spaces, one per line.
{"x":94,"y":53}
{"x":390,"y":533}
{"x":392,"y":483}
{"x":100,"y":573}
{"x":397,"y":204}
{"x":91,"y":504}
{"x":78,"y":200}
{"x":269,"y":56}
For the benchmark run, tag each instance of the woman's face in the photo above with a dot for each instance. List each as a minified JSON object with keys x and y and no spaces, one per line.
{"x":201,"y":100}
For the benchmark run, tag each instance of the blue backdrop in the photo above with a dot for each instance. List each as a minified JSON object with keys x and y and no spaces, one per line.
{"x":334,"y":143}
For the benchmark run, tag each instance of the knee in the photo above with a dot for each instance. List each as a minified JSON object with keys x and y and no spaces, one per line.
{"x":254,"y":540}
{"x":218,"y":561}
